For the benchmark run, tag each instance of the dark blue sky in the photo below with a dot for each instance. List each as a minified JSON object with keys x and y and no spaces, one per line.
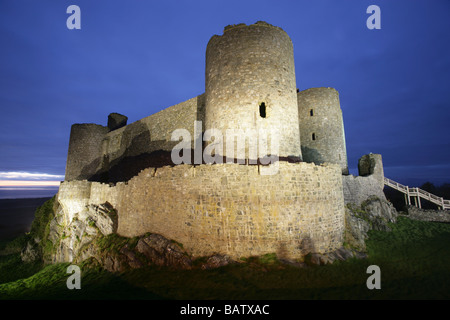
{"x":138,"y":57}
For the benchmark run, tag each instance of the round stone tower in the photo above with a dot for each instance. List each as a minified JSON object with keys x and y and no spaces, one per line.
{"x":84,"y":157}
{"x":322,"y":127}
{"x":250,"y":85}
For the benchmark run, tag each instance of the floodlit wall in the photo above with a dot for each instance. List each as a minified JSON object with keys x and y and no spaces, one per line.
{"x":227,"y":208}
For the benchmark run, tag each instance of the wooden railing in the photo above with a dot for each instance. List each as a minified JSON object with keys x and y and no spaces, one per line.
{"x":417,"y":193}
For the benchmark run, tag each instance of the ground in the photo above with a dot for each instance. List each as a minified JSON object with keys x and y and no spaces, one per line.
{"x":414,"y":259}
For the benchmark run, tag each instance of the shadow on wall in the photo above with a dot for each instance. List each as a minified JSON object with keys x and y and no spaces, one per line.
{"x":139,"y":152}
{"x":311,"y":155}
{"x":127,"y":167}
{"x":86,"y":171}
{"x":201,"y":109}
{"x":136,"y":151}
{"x":305,"y":247}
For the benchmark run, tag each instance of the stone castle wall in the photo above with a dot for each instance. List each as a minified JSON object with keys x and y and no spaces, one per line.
{"x":226,"y":208}
{"x":154,"y":132}
{"x":428,"y":215}
{"x":372,"y":165}
{"x":322,"y":127}
{"x":248,"y":68}
{"x":97,"y":154}
{"x":357,"y":189}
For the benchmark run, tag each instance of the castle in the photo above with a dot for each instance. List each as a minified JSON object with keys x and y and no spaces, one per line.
{"x":233,"y":207}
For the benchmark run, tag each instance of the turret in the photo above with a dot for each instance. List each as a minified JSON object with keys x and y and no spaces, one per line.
{"x":322,"y":127}
{"x":84,"y":157}
{"x":250,"y":85}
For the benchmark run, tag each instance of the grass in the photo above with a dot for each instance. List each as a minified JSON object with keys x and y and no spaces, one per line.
{"x":414,"y":260}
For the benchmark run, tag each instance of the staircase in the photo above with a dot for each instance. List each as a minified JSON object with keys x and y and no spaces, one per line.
{"x":417,"y":193}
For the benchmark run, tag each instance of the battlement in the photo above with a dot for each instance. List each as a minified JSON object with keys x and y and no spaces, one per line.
{"x":256,"y":24}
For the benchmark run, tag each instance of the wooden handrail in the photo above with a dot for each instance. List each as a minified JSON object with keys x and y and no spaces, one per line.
{"x":419,"y":193}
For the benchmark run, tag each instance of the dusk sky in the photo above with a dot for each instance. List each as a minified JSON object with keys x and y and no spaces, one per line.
{"x":139,"y":57}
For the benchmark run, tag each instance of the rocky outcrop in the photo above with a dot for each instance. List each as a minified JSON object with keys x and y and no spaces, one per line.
{"x":148,"y":250}
{"x":31,"y":252}
{"x":91,"y":235}
{"x":367,"y":207}
{"x":338,"y":255}
{"x":356,"y":230}
{"x":74,"y":239}
{"x":373,"y":214}
{"x":216,"y":261}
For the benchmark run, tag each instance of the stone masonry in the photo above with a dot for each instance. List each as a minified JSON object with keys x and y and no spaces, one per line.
{"x":322,"y":127}
{"x":250,"y":84}
{"x":225,"y":208}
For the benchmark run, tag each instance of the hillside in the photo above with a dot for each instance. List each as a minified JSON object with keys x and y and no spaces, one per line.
{"x":414,"y":259}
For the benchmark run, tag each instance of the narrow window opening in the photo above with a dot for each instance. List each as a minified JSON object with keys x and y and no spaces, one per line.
{"x":340,"y":156}
{"x":262,"y":110}
{"x":311,"y":112}
{"x":314,"y":136}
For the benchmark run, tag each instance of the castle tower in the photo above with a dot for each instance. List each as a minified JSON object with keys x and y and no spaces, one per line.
{"x":250,"y":84}
{"x":84,"y":157}
{"x":322,"y":127}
